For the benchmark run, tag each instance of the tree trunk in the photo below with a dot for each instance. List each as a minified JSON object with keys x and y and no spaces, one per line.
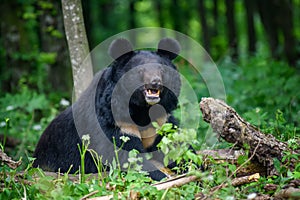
{"x":159,"y":10}
{"x":231,"y":28}
{"x":176,"y":15}
{"x":249,"y":6}
{"x":277,"y":19}
{"x":78,"y":45}
{"x":132,"y":22}
{"x":215,"y":30}
{"x":205,"y":29}
{"x":267,"y":14}
{"x":286,"y":25}
{"x":14,"y":38}
{"x":160,"y":16}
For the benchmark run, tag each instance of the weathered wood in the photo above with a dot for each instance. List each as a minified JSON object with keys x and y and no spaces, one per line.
{"x":8,"y":161}
{"x":230,"y":126}
{"x":175,"y":182}
{"x":245,"y":179}
{"x":289,"y":193}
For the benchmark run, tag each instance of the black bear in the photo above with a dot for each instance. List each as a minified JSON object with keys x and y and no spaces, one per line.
{"x":138,"y":88}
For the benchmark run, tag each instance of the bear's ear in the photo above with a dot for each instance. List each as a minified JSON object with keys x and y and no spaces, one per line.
{"x":119,"y":47}
{"x":168,"y":47}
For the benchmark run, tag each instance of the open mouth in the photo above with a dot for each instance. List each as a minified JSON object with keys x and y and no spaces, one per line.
{"x":152,"y":95}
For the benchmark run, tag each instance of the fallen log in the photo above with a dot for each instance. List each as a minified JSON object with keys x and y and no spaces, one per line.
{"x":230,"y":126}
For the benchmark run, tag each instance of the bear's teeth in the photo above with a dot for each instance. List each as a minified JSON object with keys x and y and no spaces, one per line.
{"x":153,"y":92}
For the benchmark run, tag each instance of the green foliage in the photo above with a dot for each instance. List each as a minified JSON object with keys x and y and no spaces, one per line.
{"x":176,"y":145}
{"x":27,"y":57}
{"x":22,"y":117}
{"x":262,"y":88}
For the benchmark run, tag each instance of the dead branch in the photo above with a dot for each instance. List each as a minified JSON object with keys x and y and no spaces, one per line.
{"x":175,"y":182}
{"x":231,"y":127}
{"x":8,"y":161}
{"x":289,"y":193}
{"x":89,"y":195}
{"x":238,"y":181}
{"x":222,"y":154}
{"x":245,"y":179}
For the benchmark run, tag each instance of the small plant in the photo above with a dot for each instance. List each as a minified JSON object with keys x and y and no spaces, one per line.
{"x":82,"y":150}
{"x":6,"y":125}
{"x":176,"y":145}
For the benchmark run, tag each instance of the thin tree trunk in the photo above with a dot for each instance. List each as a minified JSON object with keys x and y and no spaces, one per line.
{"x":277,"y":19}
{"x":160,"y":16}
{"x":231,"y":28}
{"x":286,"y":25}
{"x":132,"y":22}
{"x":215,"y":30}
{"x":205,"y":29}
{"x":267,"y":14}
{"x":249,"y":6}
{"x":14,"y":38}
{"x":78,"y":45}
{"x":176,"y":14}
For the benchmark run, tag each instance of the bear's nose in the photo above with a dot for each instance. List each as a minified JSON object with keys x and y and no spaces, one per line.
{"x":156,"y":81}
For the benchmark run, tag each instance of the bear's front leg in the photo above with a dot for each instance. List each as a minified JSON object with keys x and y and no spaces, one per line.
{"x":135,"y":142}
{"x":132,"y":132}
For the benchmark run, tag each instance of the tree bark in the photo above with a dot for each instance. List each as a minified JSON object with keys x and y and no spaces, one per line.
{"x":8,"y":161}
{"x":176,"y":14}
{"x":215,"y":31}
{"x":15,"y":38}
{"x":132,"y":22}
{"x":249,"y":6}
{"x":277,"y":19}
{"x":78,"y":45}
{"x":231,"y":127}
{"x":231,"y":28}
{"x":205,"y":29}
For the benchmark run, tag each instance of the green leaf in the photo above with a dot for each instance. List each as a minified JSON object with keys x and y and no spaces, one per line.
{"x":277,"y":164}
{"x":241,"y":159}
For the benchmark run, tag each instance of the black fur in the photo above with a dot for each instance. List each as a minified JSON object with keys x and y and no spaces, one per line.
{"x":57,"y":148}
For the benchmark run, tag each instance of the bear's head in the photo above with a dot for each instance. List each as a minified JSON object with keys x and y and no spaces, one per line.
{"x":150,"y":76}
